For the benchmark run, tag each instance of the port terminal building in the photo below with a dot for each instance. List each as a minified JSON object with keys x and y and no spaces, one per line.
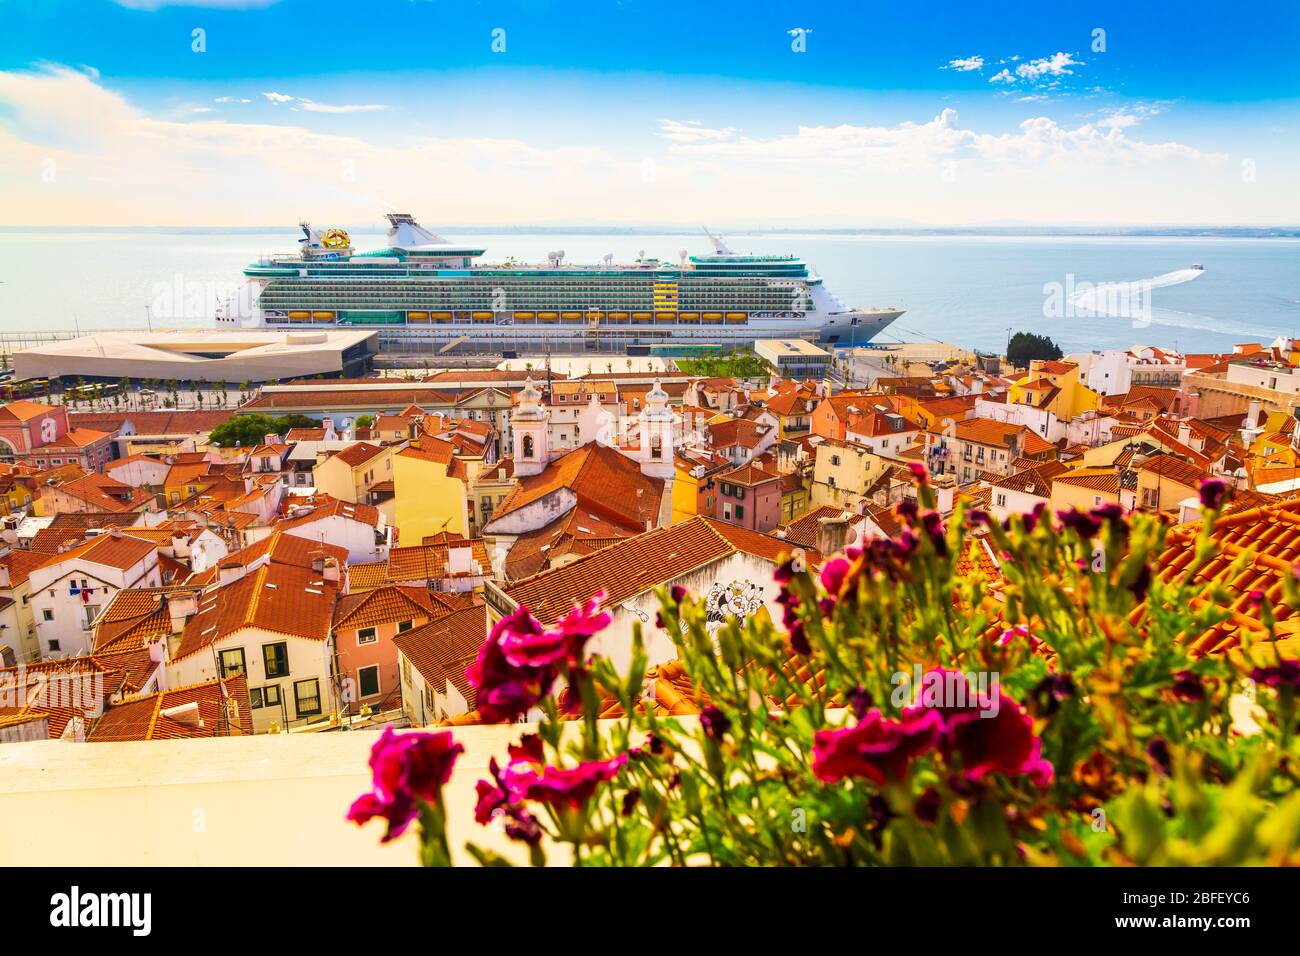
{"x":202,"y":355}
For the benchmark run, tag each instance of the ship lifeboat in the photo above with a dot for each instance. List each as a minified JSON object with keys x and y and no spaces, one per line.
{"x":642,"y":317}
{"x":693,"y":318}
{"x":482,"y":316}
{"x":667,"y":317}
{"x":525,"y":318}
{"x":440,"y":316}
{"x":571,"y":316}
{"x":618,"y":316}
{"x":595,"y":316}
{"x":712,"y":318}
{"x":737,"y":318}
{"x":323,"y":316}
{"x":548,"y":316}
{"x":299,"y":316}
{"x":417,"y":316}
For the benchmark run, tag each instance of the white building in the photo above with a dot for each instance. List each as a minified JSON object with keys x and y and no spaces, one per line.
{"x":69,"y":591}
{"x":272,"y":625}
{"x":1114,"y":372}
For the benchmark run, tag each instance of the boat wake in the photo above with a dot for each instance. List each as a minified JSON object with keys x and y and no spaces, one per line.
{"x":1119,"y":298}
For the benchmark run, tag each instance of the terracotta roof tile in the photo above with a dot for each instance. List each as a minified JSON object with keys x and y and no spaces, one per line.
{"x":639,"y":564}
{"x":218,"y":705}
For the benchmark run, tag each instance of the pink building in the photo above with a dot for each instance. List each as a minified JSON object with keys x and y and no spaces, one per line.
{"x":365,"y":624}
{"x":39,"y":435}
{"x":749,"y":497}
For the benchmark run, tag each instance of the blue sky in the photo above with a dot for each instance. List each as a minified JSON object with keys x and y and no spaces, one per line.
{"x":638,"y":112}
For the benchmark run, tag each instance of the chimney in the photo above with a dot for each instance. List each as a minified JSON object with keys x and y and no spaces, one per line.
{"x":460,"y":558}
{"x":270,"y":439}
{"x":180,"y":545}
{"x":181,"y":606}
{"x":326,"y":565}
{"x":4,"y":576}
{"x":1185,"y":433}
{"x":230,"y":571}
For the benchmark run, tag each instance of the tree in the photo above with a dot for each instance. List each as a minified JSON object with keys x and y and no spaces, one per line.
{"x":365,"y":421}
{"x":1025,"y":347}
{"x":250,"y":430}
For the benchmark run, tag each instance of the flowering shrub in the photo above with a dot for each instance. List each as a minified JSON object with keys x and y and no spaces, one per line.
{"x":903,"y":713}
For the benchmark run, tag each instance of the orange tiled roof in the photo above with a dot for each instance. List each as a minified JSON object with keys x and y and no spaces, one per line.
{"x":24,"y":411}
{"x":1272,"y":535}
{"x":363,"y":577}
{"x":147,"y":717}
{"x":443,"y":648}
{"x":803,"y":530}
{"x":422,"y":562}
{"x":114,"y":550}
{"x":576,"y":532}
{"x":639,"y":564}
{"x":1175,"y":469}
{"x":430,"y":449}
{"x":1106,"y":480}
{"x":280,"y":598}
{"x":386,"y":604}
{"x":603,"y":480}
{"x":354,"y":456}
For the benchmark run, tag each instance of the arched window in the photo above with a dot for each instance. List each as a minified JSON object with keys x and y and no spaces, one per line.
{"x":528,"y":446}
{"x":6,"y":452}
{"x":657,"y":447}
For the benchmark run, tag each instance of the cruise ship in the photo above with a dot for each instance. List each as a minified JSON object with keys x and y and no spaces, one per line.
{"x":421,"y":290}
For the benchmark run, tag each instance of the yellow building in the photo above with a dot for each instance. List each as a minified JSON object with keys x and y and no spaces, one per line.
{"x":843,"y":472}
{"x":1164,"y":482}
{"x":350,"y":474}
{"x":1055,"y":386}
{"x":430,"y":486}
{"x":1087,"y":488}
{"x":694,"y":486}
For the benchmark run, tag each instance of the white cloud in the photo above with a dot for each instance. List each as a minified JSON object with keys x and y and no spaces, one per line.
{"x":692,"y":131}
{"x":152,"y":5}
{"x":231,"y":99}
{"x":910,"y":145}
{"x":966,"y":64}
{"x":1043,"y":69}
{"x":314,"y":107}
{"x":118,"y":164}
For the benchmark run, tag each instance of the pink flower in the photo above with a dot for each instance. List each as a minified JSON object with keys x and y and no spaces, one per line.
{"x":579,"y":625}
{"x":530,"y":749}
{"x":1019,"y":632}
{"x":834,"y":573}
{"x":508,"y":688}
{"x":563,"y":787}
{"x":990,"y":737}
{"x":406,"y":769}
{"x":874,"y":748}
{"x":919,"y":472}
{"x":1214,"y":493}
{"x":520,"y":660}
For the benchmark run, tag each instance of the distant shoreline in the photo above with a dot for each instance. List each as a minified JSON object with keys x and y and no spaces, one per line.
{"x":993,"y":232}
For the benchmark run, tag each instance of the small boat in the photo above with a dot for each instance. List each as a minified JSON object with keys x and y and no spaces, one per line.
{"x":1198,"y":267}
